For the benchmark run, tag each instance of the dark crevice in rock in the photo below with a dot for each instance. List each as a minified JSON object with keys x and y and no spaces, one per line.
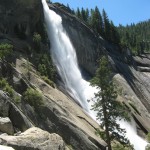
{"x":140,"y":125}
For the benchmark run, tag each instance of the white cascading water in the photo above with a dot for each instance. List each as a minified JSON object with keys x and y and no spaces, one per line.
{"x":64,"y":57}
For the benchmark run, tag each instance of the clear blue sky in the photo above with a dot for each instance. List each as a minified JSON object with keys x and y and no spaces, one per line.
{"x":119,"y":11}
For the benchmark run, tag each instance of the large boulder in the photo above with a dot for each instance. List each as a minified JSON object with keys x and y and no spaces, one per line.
{"x":6,"y":125}
{"x":2,"y":147}
{"x":34,"y":139}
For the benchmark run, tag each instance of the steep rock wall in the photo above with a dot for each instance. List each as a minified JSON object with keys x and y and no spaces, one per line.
{"x":20,"y":18}
{"x":88,"y":46}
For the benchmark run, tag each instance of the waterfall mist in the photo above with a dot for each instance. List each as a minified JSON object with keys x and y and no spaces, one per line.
{"x":64,"y":57}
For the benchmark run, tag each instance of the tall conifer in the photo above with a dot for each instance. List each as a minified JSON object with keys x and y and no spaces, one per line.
{"x":108,"y":109}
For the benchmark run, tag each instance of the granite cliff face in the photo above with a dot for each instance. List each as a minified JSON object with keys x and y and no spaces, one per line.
{"x":88,"y":46}
{"x":132,"y":74}
{"x":20,"y":18}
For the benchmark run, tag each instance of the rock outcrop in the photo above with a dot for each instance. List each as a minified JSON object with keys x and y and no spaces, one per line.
{"x":6,"y":126}
{"x":34,"y":139}
{"x":2,"y":147}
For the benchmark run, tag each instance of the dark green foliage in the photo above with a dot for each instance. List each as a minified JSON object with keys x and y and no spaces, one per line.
{"x":37,"y":41}
{"x":99,"y":23}
{"x":5,"y":50}
{"x":17,"y":99}
{"x":42,"y":69}
{"x":78,"y":13}
{"x":48,"y":81}
{"x":106,"y":25}
{"x":114,"y":34}
{"x":6,"y":87}
{"x":69,"y":9}
{"x":136,"y":37}
{"x":148,"y":137}
{"x":105,"y":104}
{"x":96,"y":21}
{"x":33,"y":97}
{"x":20,"y":31}
{"x":45,"y":66}
{"x":118,"y":146}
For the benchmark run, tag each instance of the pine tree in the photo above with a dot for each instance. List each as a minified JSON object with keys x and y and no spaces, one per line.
{"x":114,"y":35}
{"x":83,"y":15}
{"x":106,"y":25}
{"x":105,"y":104}
{"x":87,"y":15}
{"x":96,"y":21}
{"x":78,"y":13}
{"x":136,"y":36}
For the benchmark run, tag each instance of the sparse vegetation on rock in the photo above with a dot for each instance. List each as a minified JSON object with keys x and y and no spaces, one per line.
{"x":4,"y":85}
{"x":33,"y":97}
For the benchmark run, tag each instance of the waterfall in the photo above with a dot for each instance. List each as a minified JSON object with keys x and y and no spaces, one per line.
{"x":64,"y":57}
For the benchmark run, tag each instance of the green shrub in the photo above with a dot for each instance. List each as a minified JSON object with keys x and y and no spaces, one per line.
{"x":148,"y":137}
{"x":118,"y":146}
{"x":33,"y":97}
{"x":42,"y":69}
{"x":45,"y":66}
{"x":6,"y":87}
{"x":5,"y":50}
{"x":37,"y":41}
{"x":17,"y":99}
{"x":36,"y":38}
{"x":48,"y":81}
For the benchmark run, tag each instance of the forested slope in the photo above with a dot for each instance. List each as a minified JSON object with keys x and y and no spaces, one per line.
{"x":136,"y":36}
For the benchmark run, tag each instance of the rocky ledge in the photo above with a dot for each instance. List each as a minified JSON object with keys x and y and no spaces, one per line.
{"x":34,"y":139}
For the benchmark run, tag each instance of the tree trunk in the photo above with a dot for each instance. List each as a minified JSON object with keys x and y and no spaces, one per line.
{"x":106,"y":127}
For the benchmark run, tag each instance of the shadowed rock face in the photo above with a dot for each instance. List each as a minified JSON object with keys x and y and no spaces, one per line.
{"x":20,"y":17}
